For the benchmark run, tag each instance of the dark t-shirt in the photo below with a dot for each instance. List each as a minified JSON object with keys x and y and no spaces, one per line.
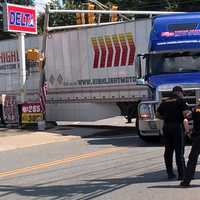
{"x":196,"y":121}
{"x":171,"y":110}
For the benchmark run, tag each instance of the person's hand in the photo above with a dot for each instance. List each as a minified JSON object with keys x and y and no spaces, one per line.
{"x":189,"y":133}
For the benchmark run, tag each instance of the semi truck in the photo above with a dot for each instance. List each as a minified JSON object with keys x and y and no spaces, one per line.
{"x":173,"y":58}
{"x":125,"y":68}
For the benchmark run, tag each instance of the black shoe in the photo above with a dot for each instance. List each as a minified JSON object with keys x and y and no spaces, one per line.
{"x":171,"y":176}
{"x":180,"y":178}
{"x":184,"y":184}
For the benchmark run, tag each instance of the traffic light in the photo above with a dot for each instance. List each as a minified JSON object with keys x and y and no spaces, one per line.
{"x":114,"y":17}
{"x":35,"y":57}
{"x":91,"y":16}
{"x":80,"y":18}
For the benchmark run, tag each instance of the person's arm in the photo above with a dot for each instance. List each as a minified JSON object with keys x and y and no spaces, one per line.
{"x":187,"y":127}
{"x":185,"y":109}
{"x":187,"y":116}
{"x":158,"y":115}
{"x":183,"y":105}
{"x":159,"y":112}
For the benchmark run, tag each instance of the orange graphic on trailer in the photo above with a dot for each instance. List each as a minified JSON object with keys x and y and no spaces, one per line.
{"x":113,"y":50}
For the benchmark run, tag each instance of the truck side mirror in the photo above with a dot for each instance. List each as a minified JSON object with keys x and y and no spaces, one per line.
{"x":138,"y":66}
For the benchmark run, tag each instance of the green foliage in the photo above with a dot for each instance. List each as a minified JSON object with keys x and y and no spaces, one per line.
{"x":63,"y":19}
{"x":58,"y":19}
{"x":68,"y":19}
{"x":40,"y":23}
{"x":157,"y":5}
{"x":21,"y":2}
{"x":153,"y":5}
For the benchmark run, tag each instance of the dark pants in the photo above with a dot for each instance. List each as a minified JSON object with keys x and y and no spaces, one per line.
{"x":192,"y":162}
{"x":20,"y":114}
{"x":1,"y":114}
{"x":174,"y":141}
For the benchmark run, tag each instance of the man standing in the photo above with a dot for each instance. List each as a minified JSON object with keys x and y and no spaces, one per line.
{"x":172,"y":112}
{"x":195,"y":150}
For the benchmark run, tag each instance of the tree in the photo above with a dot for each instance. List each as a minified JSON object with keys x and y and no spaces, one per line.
{"x":187,"y":6}
{"x":157,"y":5}
{"x":19,"y":2}
{"x":68,"y":19}
{"x":57,"y":19}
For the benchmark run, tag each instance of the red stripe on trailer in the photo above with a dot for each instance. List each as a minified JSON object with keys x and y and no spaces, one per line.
{"x":122,"y":39}
{"x":96,"y":52}
{"x":117,"y":50}
{"x":103,"y":52}
{"x":132,"y":48}
{"x":110,"y":50}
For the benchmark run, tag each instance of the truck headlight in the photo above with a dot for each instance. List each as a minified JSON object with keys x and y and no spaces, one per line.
{"x":146,"y":111}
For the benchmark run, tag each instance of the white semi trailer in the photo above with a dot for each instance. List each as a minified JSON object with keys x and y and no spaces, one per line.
{"x":90,"y":72}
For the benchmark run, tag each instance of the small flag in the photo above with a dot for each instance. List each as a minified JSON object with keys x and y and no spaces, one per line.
{"x":43,"y":91}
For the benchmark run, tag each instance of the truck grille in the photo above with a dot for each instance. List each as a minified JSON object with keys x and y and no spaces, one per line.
{"x":189,"y":95}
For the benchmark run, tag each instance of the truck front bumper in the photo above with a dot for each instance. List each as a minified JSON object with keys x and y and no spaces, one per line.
{"x":150,"y":127}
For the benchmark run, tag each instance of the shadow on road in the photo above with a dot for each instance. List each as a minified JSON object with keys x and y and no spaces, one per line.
{"x":90,"y":189}
{"x":197,"y":176}
{"x":121,"y":137}
{"x":173,"y":186}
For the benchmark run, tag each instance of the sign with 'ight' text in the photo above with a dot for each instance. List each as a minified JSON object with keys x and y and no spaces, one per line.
{"x":20,"y":19}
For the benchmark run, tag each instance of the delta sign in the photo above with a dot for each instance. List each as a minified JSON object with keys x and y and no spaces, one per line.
{"x":20,"y":19}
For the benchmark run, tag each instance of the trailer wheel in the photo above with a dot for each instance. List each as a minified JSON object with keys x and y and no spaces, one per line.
{"x":145,"y":138}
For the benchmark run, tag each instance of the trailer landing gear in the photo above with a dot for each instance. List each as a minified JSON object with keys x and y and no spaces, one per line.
{"x":128,"y":110}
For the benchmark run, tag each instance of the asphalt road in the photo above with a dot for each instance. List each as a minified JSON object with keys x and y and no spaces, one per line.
{"x":113,"y":165}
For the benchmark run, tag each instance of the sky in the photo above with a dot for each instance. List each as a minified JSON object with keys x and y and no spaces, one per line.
{"x":40,"y":4}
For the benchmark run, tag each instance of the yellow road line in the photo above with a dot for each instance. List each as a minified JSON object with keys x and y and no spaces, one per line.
{"x":59,"y":162}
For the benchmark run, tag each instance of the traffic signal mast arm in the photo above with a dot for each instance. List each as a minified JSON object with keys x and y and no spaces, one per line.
{"x":126,"y":12}
{"x":104,"y":7}
{"x":109,"y":12}
{"x":114,"y":17}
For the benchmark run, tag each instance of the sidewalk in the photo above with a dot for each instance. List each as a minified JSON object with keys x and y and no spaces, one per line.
{"x":19,"y":138}
{"x":14,"y":138}
{"x":118,"y":121}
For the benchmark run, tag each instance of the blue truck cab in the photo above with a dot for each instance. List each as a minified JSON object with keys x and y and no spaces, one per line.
{"x":173,"y":59}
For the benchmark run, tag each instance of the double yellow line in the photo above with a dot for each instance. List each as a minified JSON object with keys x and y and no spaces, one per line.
{"x":59,"y":162}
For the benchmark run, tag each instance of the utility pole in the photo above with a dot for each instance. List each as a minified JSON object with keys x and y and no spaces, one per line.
{"x":21,"y":44}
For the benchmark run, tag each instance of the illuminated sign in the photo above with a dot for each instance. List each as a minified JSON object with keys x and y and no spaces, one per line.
{"x":31,"y":113}
{"x":181,"y":33}
{"x":20,"y":19}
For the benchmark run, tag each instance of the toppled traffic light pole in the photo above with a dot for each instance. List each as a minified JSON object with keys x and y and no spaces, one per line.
{"x":97,"y":12}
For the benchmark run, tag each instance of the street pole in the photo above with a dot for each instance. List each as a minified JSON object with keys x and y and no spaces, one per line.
{"x":21,"y":43}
